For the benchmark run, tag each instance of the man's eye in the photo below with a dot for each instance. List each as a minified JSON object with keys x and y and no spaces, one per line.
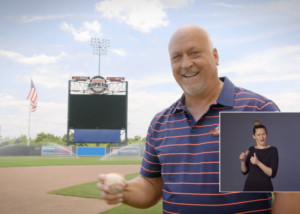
{"x":176,"y":57}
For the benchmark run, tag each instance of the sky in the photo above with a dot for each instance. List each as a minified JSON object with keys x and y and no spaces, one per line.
{"x":48,"y":41}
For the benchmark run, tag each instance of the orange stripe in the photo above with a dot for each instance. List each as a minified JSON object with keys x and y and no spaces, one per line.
{"x":151,"y":154}
{"x":217,"y":205}
{"x":250,"y":99}
{"x":196,"y":135}
{"x":169,"y":212}
{"x":210,"y":117}
{"x":187,"y":144}
{"x":184,"y":119}
{"x":173,"y":121}
{"x":250,"y":93}
{"x":266,"y":105}
{"x":225,"y":107}
{"x":212,"y":194}
{"x":239,"y":107}
{"x":247,"y":106}
{"x":254,"y":211}
{"x":216,"y":124}
{"x":150,"y":170}
{"x":186,"y":127}
{"x":166,"y":115}
{"x":244,"y":92}
{"x":150,"y":144}
{"x":201,"y":153}
{"x":189,"y":173}
{"x":190,"y":163}
{"x":150,"y":161}
{"x":191,"y":183}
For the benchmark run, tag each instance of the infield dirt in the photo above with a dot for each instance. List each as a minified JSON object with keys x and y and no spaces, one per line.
{"x":25,"y":189}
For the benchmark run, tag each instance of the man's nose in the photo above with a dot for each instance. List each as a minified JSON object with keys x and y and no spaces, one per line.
{"x":186,"y":62}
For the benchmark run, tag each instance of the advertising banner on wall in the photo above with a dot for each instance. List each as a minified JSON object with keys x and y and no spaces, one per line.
{"x":126,"y":151}
{"x":56,"y":151}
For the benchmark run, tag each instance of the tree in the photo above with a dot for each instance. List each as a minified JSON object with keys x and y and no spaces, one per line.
{"x":21,"y":140}
{"x":71,"y":136}
{"x":42,"y":138}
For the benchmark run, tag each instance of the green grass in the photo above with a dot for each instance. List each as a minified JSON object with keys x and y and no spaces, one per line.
{"x":86,"y":190}
{"x":89,"y":190}
{"x":22,"y":161}
{"x":125,"y":209}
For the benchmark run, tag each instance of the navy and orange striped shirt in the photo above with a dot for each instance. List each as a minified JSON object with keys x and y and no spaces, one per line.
{"x":185,"y":153}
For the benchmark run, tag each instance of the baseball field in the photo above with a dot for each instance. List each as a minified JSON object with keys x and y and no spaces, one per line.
{"x":62,"y":185}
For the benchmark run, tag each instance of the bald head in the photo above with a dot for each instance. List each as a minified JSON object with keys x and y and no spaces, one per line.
{"x":191,"y":30}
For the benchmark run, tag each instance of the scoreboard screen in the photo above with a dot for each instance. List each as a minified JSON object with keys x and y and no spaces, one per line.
{"x":97,"y":111}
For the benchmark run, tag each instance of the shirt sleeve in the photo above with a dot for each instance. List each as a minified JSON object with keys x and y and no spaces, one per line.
{"x":151,"y":166}
{"x":274,"y":162}
{"x":269,"y":106}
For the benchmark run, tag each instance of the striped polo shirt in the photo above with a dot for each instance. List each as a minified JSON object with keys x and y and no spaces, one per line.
{"x":185,"y":153}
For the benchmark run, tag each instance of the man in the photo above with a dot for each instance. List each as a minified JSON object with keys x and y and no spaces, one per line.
{"x":181,"y":162}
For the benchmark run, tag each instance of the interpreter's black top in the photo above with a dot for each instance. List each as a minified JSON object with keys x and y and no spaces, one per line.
{"x":257,"y":180}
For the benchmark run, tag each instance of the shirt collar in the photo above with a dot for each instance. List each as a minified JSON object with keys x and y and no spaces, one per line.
{"x":226,"y":97}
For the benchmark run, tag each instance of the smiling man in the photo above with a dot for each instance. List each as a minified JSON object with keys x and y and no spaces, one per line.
{"x":181,"y":161}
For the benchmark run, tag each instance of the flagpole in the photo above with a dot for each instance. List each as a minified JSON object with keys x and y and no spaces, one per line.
{"x":32,"y":97}
{"x":28,"y":141}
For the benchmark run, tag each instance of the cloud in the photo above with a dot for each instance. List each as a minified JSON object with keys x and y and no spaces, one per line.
{"x":143,"y":106}
{"x":50,"y":117}
{"x":226,"y":5}
{"x":142,"y":15}
{"x":176,"y":4}
{"x":152,"y":80}
{"x":273,"y":73}
{"x":34,"y":60}
{"x":120,"y":52}
{"x":29,"y":19}
{"x":282,"y":63}
{"x":84,"y":33}
{"x":49,"y":79}
{"x":287,"y":101}
{"x":286,"y":9}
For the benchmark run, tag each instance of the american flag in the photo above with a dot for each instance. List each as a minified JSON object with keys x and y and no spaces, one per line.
{"x":32,"y":96}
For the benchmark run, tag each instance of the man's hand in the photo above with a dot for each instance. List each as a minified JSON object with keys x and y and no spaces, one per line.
{"x":106,"y":195}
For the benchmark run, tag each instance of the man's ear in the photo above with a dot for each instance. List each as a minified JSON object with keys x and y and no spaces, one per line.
{"x":216,"y":56}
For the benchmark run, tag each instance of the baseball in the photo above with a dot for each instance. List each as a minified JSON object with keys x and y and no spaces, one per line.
{"x":115,"y":182}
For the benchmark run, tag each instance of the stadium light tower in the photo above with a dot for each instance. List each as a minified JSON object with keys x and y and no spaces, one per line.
{"x":100,"y":47}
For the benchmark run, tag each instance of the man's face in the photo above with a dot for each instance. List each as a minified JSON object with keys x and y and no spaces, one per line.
{"x":193,"y":61}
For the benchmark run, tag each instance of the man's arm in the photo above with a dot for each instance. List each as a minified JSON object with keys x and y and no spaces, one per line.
{"x":140,"y":192}
{"x":286,"y":203}
{"x":143,"y":192}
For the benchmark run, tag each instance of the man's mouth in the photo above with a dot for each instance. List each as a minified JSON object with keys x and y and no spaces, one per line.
{"x":190,"y":75}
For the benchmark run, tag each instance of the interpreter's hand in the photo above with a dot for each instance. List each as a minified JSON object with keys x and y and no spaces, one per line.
{"x":243,"y":156}
{"x":254,"y":160}
{"x":108,"y":197}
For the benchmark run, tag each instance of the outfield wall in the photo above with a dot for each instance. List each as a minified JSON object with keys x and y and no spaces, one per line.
{"x":90,"y":151}
{"x":20,"y":150}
